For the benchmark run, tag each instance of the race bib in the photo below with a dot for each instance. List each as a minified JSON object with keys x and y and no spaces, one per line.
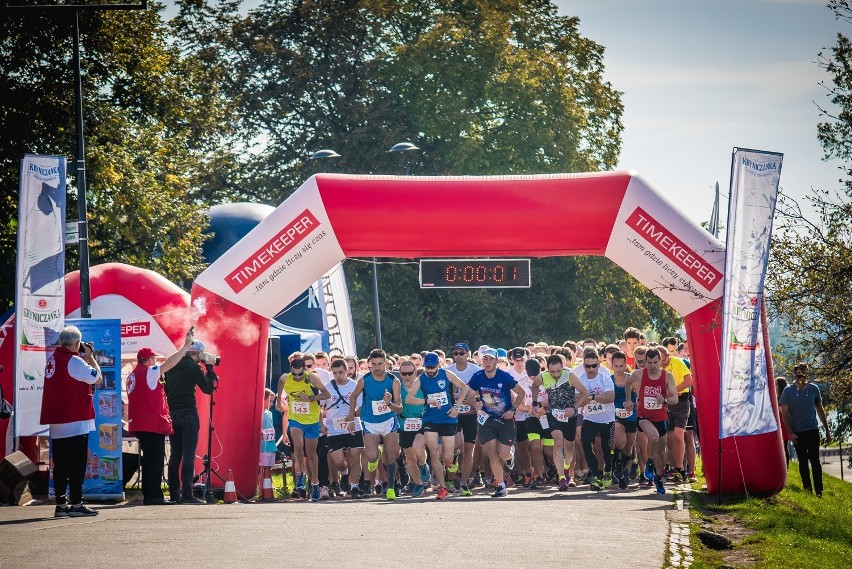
{"x":340,"y":424}
{"x":481,"y":417}
{"x":380,"y":407}
{"x":561,"y":415}
{"x":438,"y":399}
{"x":412,"y":424}
{"x":463,"y":408}
{"x":652,"y":403}
{"x":300,"y":407}
{"x":545,"y":424}
{"x":593,"y":409}
{"x":623,"y":413}
{"x":268,"y":434}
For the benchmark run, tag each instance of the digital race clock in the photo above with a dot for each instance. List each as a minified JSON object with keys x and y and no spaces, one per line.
{"x":474,"y":273}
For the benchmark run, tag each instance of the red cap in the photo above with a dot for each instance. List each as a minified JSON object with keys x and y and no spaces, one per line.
{"x":145,"y":353}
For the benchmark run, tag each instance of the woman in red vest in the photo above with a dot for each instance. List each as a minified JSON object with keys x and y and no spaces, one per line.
{"x":148,"y":417}
{"x":66,"y":406}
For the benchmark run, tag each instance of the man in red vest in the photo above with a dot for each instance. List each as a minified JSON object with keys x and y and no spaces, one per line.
{"x":149,"y":419}
{"x":66,"y":406}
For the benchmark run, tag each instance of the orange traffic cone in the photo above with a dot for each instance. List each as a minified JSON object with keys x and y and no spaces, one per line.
{"x":230,"y":489}
{"x":266,"y":494}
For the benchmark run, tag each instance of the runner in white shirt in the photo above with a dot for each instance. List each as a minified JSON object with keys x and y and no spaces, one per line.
{"x":464,"y":369}
{"x":598,"y":416}
{"x":345,"y":440}
{"x":523,"y":467}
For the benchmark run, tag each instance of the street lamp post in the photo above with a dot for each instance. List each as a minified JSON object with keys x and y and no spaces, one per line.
{"x":80,"y":158}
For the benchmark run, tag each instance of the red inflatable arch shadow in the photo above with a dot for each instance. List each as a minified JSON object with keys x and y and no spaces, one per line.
{"x":331,"y":217}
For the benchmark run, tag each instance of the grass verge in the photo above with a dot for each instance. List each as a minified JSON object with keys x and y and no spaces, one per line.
{"x":792,"y":529}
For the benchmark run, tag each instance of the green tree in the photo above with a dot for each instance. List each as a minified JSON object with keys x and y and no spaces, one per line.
{"x":810,"y":276}
{"x":154,"y":128}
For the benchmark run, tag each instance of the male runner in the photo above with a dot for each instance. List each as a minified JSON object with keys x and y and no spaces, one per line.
{"x":626,"y":423}
{"x":598,"y":417}
{"x":303,"y":390}
{"x":679,"y":412}
{"x":467,"y":425}
{"x":379,"y":410}
{"x":656,"y":391}
{"x":499,"y":397}
{"x":411,"y":431}
{"x":343,"y":437}
{"x":440,"y":415}
{"x":564,"y":391}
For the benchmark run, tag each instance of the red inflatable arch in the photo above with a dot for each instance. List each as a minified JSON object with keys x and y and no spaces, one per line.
{"x":331,"y":217}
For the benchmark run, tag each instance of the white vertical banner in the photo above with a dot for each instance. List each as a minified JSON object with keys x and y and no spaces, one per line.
{"x":40,"y":293}
{"x":333,"y":293}
{"x":745,"y":405}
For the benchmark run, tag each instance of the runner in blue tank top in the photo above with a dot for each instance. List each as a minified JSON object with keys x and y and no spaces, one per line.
{"x":440,"y":416}
{"x":381,"y":403}
{"x":626,"y":422}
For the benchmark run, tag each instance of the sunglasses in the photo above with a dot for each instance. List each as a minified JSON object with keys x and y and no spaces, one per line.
{"x":590,"y":366}
{"x":640,"y":361}
{"x":309,"y":366}
{"x":406,"y":373}
{"x":298,"y":371}
{"x":459,"y":353}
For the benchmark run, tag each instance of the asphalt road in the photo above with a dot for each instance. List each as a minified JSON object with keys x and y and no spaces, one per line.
{"x":537,"y":528}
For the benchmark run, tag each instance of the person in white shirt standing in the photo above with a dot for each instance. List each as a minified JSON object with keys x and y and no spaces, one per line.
{"x":598,"y":416}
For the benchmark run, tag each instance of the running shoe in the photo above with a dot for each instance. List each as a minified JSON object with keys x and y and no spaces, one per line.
{"x":372,"y":466}
{"x":634,"y":471}
{"x":424,"y":473}
{"x":658,"y":485}
{"x":356,"y":493}
{"x":324,"y":493}
{"x":442,"y":493}
{"x":692,"y":478}
{"x":649,"y":469}
{"x":334,"y":489}
{"x":454,"y":467}
{"x":563,"y":485}
{"x":418,"y":490}
{"x":597,"y":484}
{"x":62,"y":511}
{"x":451,"y":486}
{"x":315,"y":493}
{"x":380,"y":489}
{"x":300,"y":481}
{"x":500,"y":492}
{"x":80,"y":511}
{"x":624,"y":481}
{"x":477,"y":480}
{"x":675,"y":477}
{"x":390,"y":494}
{"x":508,"y":482}
{"x":528,"y":480}
{"x":536,"y":483}
{"x":465,"y":491}
{"x":572,"y":483}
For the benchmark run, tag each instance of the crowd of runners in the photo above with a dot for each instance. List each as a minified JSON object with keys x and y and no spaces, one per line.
{"x":604,"y":416}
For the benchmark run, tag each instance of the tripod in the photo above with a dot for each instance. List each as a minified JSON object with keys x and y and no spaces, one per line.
{"x":208,"y":469}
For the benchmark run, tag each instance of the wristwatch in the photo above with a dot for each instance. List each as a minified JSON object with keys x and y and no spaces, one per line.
{"x":593,"y":396}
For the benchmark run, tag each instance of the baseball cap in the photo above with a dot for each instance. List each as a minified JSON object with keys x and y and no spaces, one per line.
{"x":517,"y":353}
{"x":430,"y":360}
{"x":501,"y":353}
{"x":196,"y":346}
{"x":533,"y":367}
{"x":483,"y":347}
{"x":487,"y":351}
{"x":145,"y":353}
{"x":461,"y":346}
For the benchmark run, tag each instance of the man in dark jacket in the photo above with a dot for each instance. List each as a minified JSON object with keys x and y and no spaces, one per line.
{"x":181,"y":381}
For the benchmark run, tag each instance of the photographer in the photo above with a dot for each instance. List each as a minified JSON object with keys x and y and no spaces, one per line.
{"x":181,"y":381}
{"x":66,"y":406}
{"x":149,"y":417}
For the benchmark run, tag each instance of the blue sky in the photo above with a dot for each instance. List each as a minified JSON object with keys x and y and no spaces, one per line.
{"x":699,"y":78}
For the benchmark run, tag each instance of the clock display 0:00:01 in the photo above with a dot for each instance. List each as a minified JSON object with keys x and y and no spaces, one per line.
{"x":475,"y":273}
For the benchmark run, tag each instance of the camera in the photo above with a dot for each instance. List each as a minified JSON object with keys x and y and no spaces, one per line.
{"x":210,"y":359}
{"x":82,"y":350}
